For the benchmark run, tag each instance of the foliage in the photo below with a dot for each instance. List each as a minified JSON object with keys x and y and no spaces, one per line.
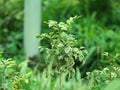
{"x":19,"y":77}
{"x":97,"y":31}
{"x":66,"y":8}
{"x":62,"y":52}
{"x":97,"y":39}
{"x":107,"y":11}
{"x":75,"y":83}
{"x":92,"y":6}
{"x":13,"y":76}
{"x":102,"y":78}
{"x":11,"y":26}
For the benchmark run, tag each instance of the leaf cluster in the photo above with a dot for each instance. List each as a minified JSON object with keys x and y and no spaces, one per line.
{"x":14,"y":76}
{"x":102,"y":78}
{"x":63,"y":52}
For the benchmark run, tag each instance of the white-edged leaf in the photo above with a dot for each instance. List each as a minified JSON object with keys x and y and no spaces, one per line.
{"x":68,"y":49}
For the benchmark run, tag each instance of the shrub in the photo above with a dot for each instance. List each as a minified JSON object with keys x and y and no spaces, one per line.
{"x":14,"y":76}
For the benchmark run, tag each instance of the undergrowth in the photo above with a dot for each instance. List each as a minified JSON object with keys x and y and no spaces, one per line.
{"x":61,"y":53}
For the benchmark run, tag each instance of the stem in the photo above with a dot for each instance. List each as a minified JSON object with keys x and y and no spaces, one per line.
{"x":110,"y":74}
{"x":60,"y":82}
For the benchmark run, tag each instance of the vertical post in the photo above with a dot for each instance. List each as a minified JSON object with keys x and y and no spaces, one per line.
{"x":32,"y":25}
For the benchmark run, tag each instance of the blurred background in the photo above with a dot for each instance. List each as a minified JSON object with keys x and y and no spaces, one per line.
{"x":98,"y":30}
